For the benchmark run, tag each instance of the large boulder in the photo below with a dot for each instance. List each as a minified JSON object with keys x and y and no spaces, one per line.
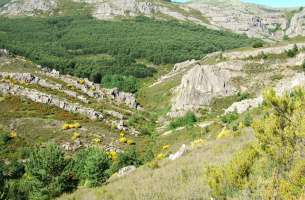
{"x":203,"y":83}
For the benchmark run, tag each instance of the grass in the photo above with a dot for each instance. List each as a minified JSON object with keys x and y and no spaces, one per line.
{"x":157,"y":99}
{"x":180,"y":179}
{"x":188,"y":120}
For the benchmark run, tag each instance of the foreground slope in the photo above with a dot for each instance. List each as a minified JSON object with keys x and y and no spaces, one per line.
{"x":223,"y":126}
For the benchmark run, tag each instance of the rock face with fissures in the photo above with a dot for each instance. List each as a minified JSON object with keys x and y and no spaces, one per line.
{"x":203,"y":83}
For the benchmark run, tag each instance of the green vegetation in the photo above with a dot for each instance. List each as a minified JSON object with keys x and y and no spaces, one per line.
{"x":229,"y":117}
{"x":3,"y":2}
{"x":188,"y":120}
{"x":68,"y":43}
{"x":258,"y":44}
{"x":91,"y":167}
{"x":48,"y":172}
{"x":293,"y":52}
{"x":243,"y":96}
{"x":123,"y":83}
{"x":129,"y":157}
{"x":273,"y":166}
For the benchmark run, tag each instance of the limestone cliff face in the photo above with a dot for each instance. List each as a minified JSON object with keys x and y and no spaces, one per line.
{"x":116,"y":8}
{"x":297,"y":24}
{"x":203,"y":83}
{"x":110,"y":9}
{"x":253,"y":20}
{"x":28,"y":7}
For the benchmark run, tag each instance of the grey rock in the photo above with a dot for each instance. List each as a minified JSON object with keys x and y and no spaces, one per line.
{"x":27,"y":7}
{"x":31,"y":79}
{"x":44,"y":98}
{"x":285,"y":85}
{"x":126,"y":170}
{"x":183,"y":149}
{"x":203,"y":83}
{"x":95,"y":90}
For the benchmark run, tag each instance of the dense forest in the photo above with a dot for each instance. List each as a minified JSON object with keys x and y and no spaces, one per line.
{"x":69,"y":43}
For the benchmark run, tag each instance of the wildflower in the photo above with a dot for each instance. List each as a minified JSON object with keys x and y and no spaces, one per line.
{"x":123,"y":140}
{"x":224,"y":133}
{"x":131,"y":142}
{"x":82,"y":82}
{"x":122,"y":134}
{"x":166,"y":147}
{"x":71,"y":126}
{"x":75,"y":136}
{"x":66,"y":126}
{"x":77,"y":125}
{"x":97,"y":140}
{"x":13,"y":135}
{"x":113,"y":155}
{"x":160,"y":156}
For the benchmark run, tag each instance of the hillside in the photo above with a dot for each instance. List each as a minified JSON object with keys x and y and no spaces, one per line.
{"x":224,"y":125}
{"x":148,"y":99}
{"x":233,"y":15}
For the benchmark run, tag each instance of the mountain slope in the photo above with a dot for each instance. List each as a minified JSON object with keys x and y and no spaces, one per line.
{"x":233,"y":15}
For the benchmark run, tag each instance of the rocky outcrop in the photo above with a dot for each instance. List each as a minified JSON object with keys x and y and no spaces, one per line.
{"x":114,"y":8}
{"x":203,"y":83}
{"x":4,"y":52}
{"x":282,"y":86}
{"x":28,"y":7}
{"x":123,"y":98}
{"x":110,"y":9}
{"x":297,"y":24}
{"x":183,"y":149}
{"x":44,"y":98}
{"x":95,"y":90}
{"x":31,"y":79}
{"x":244,"y":105}
{"x":253,"y":20}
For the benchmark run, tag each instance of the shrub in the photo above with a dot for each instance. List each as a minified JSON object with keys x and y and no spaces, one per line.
{"x":123,"y":83}
{"x":224,"y":180}
{"x":229,"y":117}
{"x":257,"y":44}
{"x":243,"y":95}
{"x":273,"y":166}
{"x":91,"y":166}
{"x":45,"y":173}
{"x":129,"y":157}
{"x":188,"y":120}
{"x":293,"y":52}
{"x":148,"y":153}
{"x":248,"y":120}
{"x":4,"y":138}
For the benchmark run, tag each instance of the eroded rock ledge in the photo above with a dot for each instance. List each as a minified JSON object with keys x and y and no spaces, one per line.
{"x":95,"y":90}
{"x":40,"y":97}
